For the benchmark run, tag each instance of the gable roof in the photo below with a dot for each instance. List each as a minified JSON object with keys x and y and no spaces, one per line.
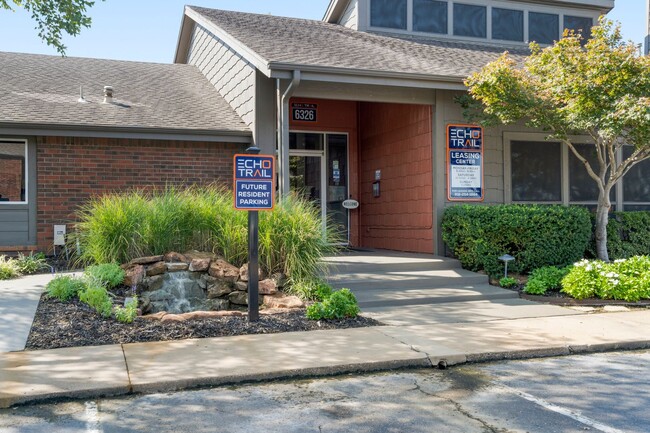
{"x":38,"y":91}
{"x":279,"y":43}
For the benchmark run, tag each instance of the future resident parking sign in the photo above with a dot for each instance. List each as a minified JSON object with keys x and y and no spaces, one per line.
{"x":465,"y":163}
{"x":254,"y":175}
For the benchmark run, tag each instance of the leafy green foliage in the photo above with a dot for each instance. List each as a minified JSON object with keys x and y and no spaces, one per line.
{"x":600,"y":88}
{"x":544,"y":279}
{"x":110,"y":274}
{"x":31,"y":263}
{"x":97,"y":297}
{"x":628,"y":234}
{"x":338,"y":305}
{"x":128,"y":313}
{"x":508,"y":282}
{"x":65,"y":287}
{"x":310,"y":289}
{"x":55,"y":17}
{"x":624,"y":279}
{"x":120,"y":227}
{"x":536,"y":235}
{"x":8,"y":268}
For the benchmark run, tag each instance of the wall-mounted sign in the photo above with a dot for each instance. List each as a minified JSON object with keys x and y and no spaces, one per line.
{"x":302,"y":112}
{"x":350,"y":204}
{"x":465,"y":163}
{"x":254,"y":176}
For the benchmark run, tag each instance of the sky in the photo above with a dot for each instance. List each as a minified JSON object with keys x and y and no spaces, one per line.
{"x":147,"y":30}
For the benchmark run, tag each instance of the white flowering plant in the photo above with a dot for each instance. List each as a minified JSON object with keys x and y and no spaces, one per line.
{"x":625,"y":279}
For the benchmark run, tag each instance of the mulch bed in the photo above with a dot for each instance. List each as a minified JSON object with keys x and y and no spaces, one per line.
{"x":70,"y":324}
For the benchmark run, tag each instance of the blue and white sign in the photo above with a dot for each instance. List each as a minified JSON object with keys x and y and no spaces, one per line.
{"x":254,"y":177}
{"x":465,"y":163}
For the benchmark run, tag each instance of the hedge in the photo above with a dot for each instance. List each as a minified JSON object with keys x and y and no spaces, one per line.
{"x":536,"y":235}
{"x":628,"y":234}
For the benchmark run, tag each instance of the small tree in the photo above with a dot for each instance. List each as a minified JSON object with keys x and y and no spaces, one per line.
{"x":53,"y":17}
{"x":601,"y":88}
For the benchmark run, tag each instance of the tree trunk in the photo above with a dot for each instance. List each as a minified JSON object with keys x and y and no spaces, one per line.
{"x":602,"y":217}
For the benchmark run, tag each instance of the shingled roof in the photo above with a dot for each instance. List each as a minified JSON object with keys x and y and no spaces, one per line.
{"x":284,"y":41}
{"x":43,"y":91}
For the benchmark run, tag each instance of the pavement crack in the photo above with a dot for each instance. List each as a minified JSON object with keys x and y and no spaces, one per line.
{"x":410,"y":346}
{"x":126,"y":366}
{"x":488,"y":428}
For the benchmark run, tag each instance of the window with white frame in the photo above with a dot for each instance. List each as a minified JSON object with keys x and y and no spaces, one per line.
{"x":430,"y":16}
{"x":636,"y":184}
{"x":13,"y":171}
{"x":388,"y":14}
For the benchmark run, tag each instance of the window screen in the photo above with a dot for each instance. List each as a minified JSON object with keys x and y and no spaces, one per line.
{"x":388,"y":13}
{"x":12,"y":171}
{"x":636,"y":183}
{"x":507,"y":24}
{"x":583,"y":187}
{"x":543,"y":28}
{"x":536,"y":171}
{"x":430,"y":16}
{"x":579,"y":25}
{"x":470,"y":20}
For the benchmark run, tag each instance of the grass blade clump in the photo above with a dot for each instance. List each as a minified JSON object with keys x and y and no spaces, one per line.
{"x":8,"y":268}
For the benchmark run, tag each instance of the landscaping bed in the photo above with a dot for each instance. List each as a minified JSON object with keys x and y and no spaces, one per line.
{"x":69,"y":324}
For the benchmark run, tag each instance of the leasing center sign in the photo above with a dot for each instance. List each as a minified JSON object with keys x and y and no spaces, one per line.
{"x":465,"y":163}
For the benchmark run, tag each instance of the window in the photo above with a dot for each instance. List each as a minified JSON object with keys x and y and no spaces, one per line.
{"x":388,"y":13}
{"x":636,"y":183}
{"x":470,"y":20}
{"x":430,"y":16}
{"x":507,"y":24}
{"x":13,"y":172}
{"x":536,"y":171}
{"x":579,"y":25}
{"x":582,"y":187}
{"x":543,"y":28}
{"x":305,"y":141}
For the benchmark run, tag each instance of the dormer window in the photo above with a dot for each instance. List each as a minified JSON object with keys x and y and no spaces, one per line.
{"x":430,"y":16}
{"x":507,"y":24}
{"x":470,"y":20}
{"x":390,"y":14}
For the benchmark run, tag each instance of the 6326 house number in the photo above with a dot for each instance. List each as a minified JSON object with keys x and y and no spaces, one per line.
{"x":304,"y":112}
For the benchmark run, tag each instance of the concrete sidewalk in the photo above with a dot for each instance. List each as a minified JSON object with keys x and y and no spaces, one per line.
{"x":154,"y":367}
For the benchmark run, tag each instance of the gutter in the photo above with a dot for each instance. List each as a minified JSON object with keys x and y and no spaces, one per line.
{"x":283,"y":131}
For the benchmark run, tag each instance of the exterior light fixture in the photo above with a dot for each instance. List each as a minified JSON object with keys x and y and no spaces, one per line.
{"x":505,"y":259}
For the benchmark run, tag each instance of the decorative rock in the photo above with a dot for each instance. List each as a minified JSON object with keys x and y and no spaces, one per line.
{"x":156,"y":316}
{"x":243,"y":273}
{"x":267,"y":287}
{"x":176,"y":267}
{"x":134,"y":276}
{"x":153,"y":283}
{"x":241,"y":286}
{"x":145,"y":260}
{"x":199,"y":265}
{"x":173,"y":318}
{"x":191,"y":255}
{"x":175,"y":258}
{"x":217,"y":304}
{"x":222,"y":269}
{"x":219,"y":288}
{"x":281,"y":301}
{"x":280,"y":279}
{"x":156,"y":269}
{"x":238,"y":298}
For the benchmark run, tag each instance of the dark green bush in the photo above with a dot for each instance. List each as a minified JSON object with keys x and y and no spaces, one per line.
{"x":544,"y":279}
{"x":536,"y":235}
{"x":65,"y":287}
{"x":338,"y":305}
{"x":110,"y":274}
{"x":628,"y":234}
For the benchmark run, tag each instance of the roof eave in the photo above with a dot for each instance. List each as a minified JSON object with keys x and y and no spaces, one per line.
{"x":334,"y":10}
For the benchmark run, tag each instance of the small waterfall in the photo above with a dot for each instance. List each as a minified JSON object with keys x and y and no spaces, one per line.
{"x":180,"y":293}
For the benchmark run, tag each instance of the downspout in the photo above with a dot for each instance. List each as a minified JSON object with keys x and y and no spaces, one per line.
{"x":283,"y":132}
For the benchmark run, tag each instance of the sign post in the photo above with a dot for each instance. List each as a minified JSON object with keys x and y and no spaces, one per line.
{"x":254,"y":191}
{"x":465,"y":163}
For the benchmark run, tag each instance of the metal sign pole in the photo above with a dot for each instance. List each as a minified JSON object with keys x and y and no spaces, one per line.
{"x":253,"y":258}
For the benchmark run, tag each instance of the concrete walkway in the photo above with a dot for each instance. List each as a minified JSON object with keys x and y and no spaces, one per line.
{"x":416,"y":335}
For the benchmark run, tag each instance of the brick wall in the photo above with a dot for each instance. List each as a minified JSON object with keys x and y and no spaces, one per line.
{"x":396,"y":139}
{"x":70,"y":170}
{"x":11,"y":174}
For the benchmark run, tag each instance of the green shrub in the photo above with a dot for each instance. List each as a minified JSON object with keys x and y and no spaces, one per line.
{"x":311,"y":290}
{"x":627,"y":280}
{"x":508,"y":282}
{"x":128,"y":313}
{"x":543,"y":279}
{"x":338,"y":305}
{"x":628,"y":235}
{"x":97,"y":297}
{"x":536,"y":235}
{"x":119,"y":227}
{"x":31,"y":263}
{"x":65,"y":287}
{"x":8,"y":268}
{"x":110,"y":274}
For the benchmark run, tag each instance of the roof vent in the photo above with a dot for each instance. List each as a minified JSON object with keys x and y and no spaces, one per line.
{"x":108,"y":94}
{"x":81,"y":95}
